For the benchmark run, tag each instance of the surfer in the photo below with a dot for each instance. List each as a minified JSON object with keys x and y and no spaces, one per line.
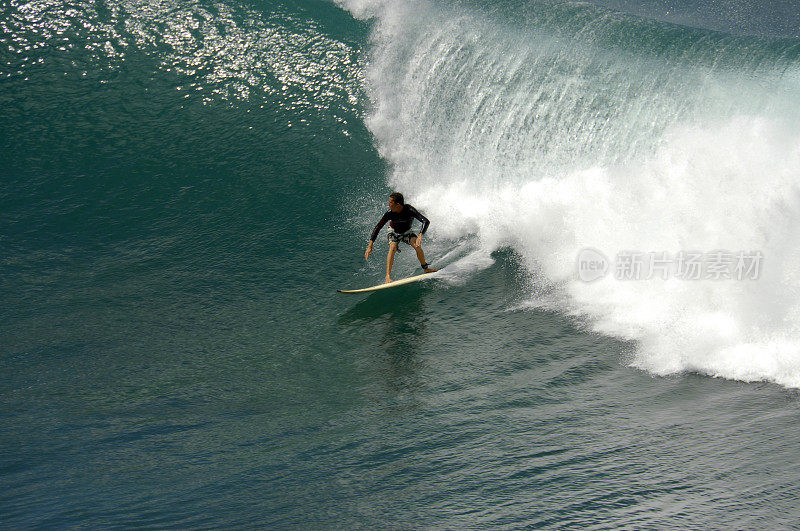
{"x":400,"y":217}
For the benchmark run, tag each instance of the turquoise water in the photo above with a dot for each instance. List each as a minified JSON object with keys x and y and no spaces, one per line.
{"x":186,"y":184}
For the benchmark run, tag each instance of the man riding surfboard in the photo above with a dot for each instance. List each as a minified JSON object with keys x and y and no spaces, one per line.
{"x":400,"y":217}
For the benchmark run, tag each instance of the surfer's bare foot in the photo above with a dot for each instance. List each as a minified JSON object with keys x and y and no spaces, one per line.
{"x":387,"y":279}
{"x":431,"y":270}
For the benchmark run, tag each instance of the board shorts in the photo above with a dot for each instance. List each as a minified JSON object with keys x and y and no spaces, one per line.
{"x":406,"y":237}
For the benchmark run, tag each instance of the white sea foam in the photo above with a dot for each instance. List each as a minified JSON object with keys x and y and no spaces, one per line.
{"x":553,"y":142}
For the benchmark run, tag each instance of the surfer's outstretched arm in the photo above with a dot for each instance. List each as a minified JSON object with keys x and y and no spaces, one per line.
{"x":374,"y":235}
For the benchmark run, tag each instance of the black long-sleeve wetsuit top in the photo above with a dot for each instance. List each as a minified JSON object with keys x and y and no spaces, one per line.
{"x":401,"y":221}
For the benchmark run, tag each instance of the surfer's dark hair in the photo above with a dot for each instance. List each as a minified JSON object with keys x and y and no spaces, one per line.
{"x":398,"y":198}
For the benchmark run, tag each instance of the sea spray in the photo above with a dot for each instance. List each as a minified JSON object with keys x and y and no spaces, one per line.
{"x":553,"y":138}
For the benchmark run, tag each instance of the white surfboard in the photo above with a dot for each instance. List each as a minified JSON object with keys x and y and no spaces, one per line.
{"x":392,"y":284}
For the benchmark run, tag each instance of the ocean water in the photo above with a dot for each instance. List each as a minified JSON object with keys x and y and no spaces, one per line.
{"x":185,"y":184}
